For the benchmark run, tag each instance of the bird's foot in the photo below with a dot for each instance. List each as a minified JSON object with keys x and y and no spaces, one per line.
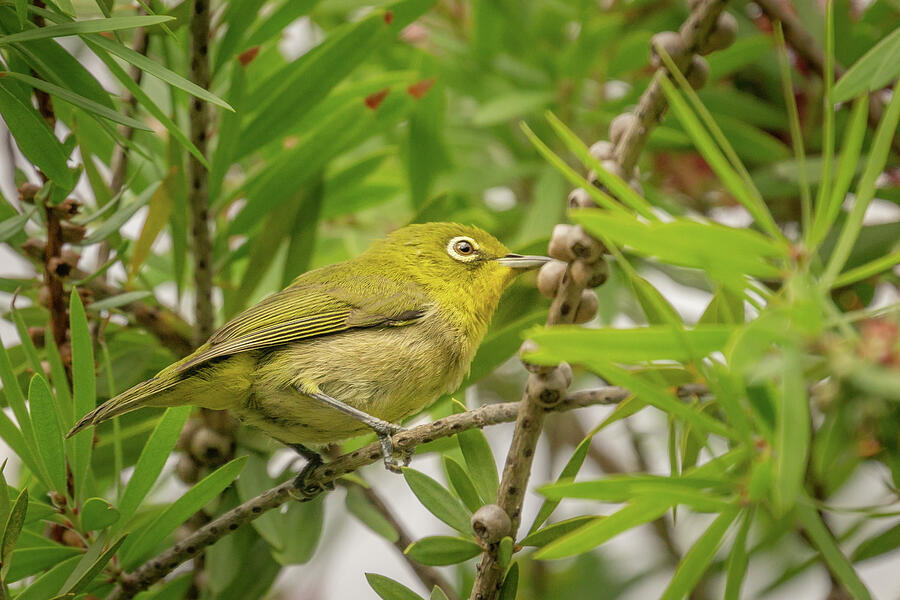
{"x":385,"y":430}
{"x":302,"y":489}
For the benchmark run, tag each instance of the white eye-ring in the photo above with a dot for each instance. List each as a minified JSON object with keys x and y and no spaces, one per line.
{"x":463,"y":249}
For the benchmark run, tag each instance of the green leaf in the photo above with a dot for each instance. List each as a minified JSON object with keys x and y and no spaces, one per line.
{"x":31,"y":561}
{"x":294,"y":90}
{"x":300,"y":516}
{"x":388,"y":589}
{"x":13,"y":527}
{"x":441,"y":550}
{"x":738,"y":559}
{"x":700,"y":494}
{"x":873,"y":71}
{"x":23,"y":441}
{"x":97,"y":513}
{"x":47,"y":432}
{"x":867,"y":270}
{"x":95,"y":568}
{"x":77,"y":100}
{"x":578,"y":345}
{"x":573,"y":465}
{"x":83,"y":390}
{"x":461,"y":483}
{"x":50,"y":582}
{"x":118,"y":300}
{"x":593,"y":534}
{"x":150,"y":463}
{"x":690,"y":243}
{"x":360,"y":507}
{"x":13,"y":225}
{"x":551,"y":533}
{"x":504,"y":552}
{"x":480,"y":461}
{"x":157,"y":70}
{"x":438,"y":500}
{"x":865,"y":192}
{"x":878,"y":544}
{"x":148,"y":537}
{"x":82,"y":27}
{"x":510,"y":585}
{"x":35,"y":139}
{"x":438,"y":594}
{"x":823,"y":541}
{"x":792,"y":433}
{"x":697,"y":559}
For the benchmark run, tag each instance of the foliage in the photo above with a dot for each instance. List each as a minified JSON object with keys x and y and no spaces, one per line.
{"x":410,"y":110}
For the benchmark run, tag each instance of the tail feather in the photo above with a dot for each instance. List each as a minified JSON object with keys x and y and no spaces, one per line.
{"x":125,"y":402}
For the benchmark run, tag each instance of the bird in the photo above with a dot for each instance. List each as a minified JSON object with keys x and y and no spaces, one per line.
{"x":354,"y":346}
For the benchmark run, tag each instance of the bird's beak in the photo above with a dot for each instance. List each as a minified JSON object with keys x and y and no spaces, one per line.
{"x":517,"y":261}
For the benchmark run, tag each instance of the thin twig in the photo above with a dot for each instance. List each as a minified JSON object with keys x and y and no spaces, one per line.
{"x":198,"y":196}
{"x":492,"y":414}
{"x":427,"y":575}
{"x":517,"y":469}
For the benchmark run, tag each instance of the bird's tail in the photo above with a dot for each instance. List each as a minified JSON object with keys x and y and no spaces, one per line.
{"x":129,"y":400}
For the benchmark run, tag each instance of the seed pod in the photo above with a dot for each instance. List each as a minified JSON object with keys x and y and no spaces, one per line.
{"x":86,"y":295}
{"x":698,"y":72}
{"x":549,"y":277}
{"x":187,"y":434}
{"x":590,"y":274}
{"x":28,"y":192}
{"x":531,"y":346}
{"x":187,"y":469}
{"x":561,"y":241}
{"x":491,"y":523}
{"x":587,"y":307}
{"x":548,"y":389}
{"x":209,"y":447}
{"x":602,"y":150}
{"x":584,"y":246}
{"x":34,"y":248}
{"x":67,"y":209}
{"x":723,"y":34}
{"x":71,"y":233}
{"x":579,"y":198}
{"x":566,"y":370}
{"x":64,"y":264}
{"x":619,"y":126}
{"x":669,"y":41}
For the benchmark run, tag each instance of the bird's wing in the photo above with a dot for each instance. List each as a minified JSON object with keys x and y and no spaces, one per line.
{"x":314,"y":309}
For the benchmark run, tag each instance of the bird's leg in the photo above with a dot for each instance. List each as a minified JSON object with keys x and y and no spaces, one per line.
{"x":313,"y":461}
{"x":384,"y":429}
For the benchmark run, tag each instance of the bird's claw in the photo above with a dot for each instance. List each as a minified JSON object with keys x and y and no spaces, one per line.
{"x":302,"y":489}
{"x":387,"y":449}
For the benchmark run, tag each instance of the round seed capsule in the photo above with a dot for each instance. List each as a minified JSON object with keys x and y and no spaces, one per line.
{"x":210,"y":447}
{"x":698,"y":72}
{"x":531,"y":346}
{"x":187,"y":469}
{"x":590,"y":275}
{"x":723,"y":35}
{"x":585,"y":246}
{"x":619,"y":126}
{"x":561,"y":241}
{"x":579,"y":198}
{"x":549,"y":278}
{"x":669,"y":41}
{"x":566,"y":371}
{"x":601,"y":150}
{"x":491,"y":523}
{"x":587,"y":307}
{"x":548,"y":389}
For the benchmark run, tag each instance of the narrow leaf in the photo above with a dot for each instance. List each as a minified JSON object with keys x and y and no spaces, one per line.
{"x":388,"y":589}
{"x":825,"y":543}
{"x":83,"y":390}
{"x":480,"y":460}
{"x":695,"y":562}
{"x":47,"y":432}
{"x":442,"y":550}
{"x":438,"y":500}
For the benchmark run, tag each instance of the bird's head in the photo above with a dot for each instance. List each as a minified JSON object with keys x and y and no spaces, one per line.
{"x":464,"y":268}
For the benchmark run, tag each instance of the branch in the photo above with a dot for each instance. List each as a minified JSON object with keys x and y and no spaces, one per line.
{"x":517,"y":470}
{"x":198,"y":196}
{"x":427,"y":575}
{"x":652,"y":105}
{"x":163,"y":564}
{"x":808,"y":48}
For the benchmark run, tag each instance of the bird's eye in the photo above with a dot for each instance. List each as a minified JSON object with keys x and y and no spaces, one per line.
{"x":464,"y":247}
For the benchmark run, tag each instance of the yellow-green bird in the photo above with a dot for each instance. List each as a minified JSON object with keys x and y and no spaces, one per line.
{"x":356,"y":345}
